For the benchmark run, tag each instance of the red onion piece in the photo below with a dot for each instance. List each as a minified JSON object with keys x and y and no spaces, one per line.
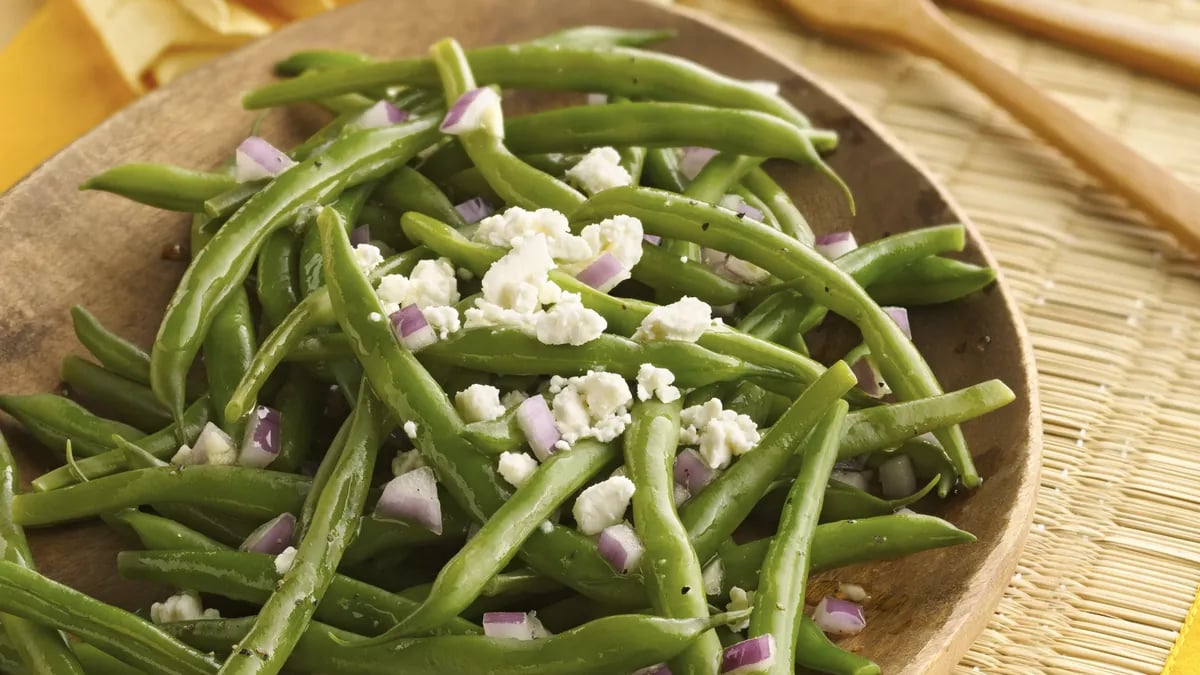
{"x":855,"y":479}
{"x":900,"y":316}
{"x":260,"y":444}
{"x":537,"y":423}
{"x":603,"y":273}
{"x":474,"y":209}
{"x":382,"y":114}
{"x":656,"y":669}
{"x":256,"y":159}
{"x":839,"y":617}
{"x":360,"y":235}
{"x":272,"y":537}
{"x":835,"y":245}
{"x":692,"y":471}
{"x":753,"y":655}
{"x":412,"y":498}
{"x":511,"y":625}
{"x":470,"y":111}
{"x":897,"y":478}
{"x":621,"y":547}
{"x":694,"y":159}
{"x":412,"y":328}
{"x":869,"y":378}
{"x":652,"y":239}
{"x":749,"y":211}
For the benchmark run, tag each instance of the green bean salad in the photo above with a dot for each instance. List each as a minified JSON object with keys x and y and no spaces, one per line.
{"x":444,"y":392}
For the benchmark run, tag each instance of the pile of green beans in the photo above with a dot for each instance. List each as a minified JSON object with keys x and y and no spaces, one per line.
{"x":276,"y":310}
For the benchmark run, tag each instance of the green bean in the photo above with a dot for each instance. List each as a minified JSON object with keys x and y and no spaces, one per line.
{"x":284,"y":615}
{"x":253,"y":493}
{"x":229,"y":348}
{"x":41,"y":649}
{"x":847,"y":542}
{"x":827,"y":284}
{"x":350,"y":204}
{"x":378,"y":536}
{"x":779,"y":602}
{"x":157,"y":532}
{"x":820,"y":654}
{"x":504,"y":589}
{"x":216,"y":525}
{"x":325,"y":471}
{"x":162,"y":444}
{"x":409,"y":190}
{"x":276,"y":277}
{"x":670,"y":567}
{"x":218,"y":269}
{"x":112,"y":351}
{"x":300,"y":403}
{"x":846,"y":502}
{"x":599,"y":37}
{"x":662,"y":170}
{"x":223,"y":204}
{"x":124,"y":635}
{"x":779,"y":205}
{"x":52,"y":420}
{"x":317,"y":60}
{"x":251,"y":577}
{"x":94,"y":661}
{"x":712,"y":515}
{"x":162,"y":186}
{"x":930,"y":282}
{"x":675,"y":273}
{"x":123,"y":399}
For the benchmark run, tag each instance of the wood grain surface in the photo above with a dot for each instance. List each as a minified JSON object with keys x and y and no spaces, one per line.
{"x":60,"y":247}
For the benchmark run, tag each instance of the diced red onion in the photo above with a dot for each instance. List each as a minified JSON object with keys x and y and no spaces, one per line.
{"x":260,"y":444}
{"x":836,"y":245}
{"x":471,"y":112}
{"x":869,"y":378}
{"x":900,"y":316}
{"x":897,"y":478}
{"x":537,"y":423}
{"x":749,"y":211}
{"x":272,"y":537}
{"x":256,"y":159}
{"x":382,"y":114}
{"x":692,"y":471}
{"x":621,"y":547}
{"x":657,"y":669}
{"x":474,"y":209}
{"x":603,"y":273}
{"x":412,"y":497}
{"x":412,"y":328}
{"x":839,"y":617}
{"x":652,"y":239}
{"x":510,"y":625}
{"x":753,"y":655}
{"x":360,"y":235}
{"x":597,"y":99}
{"x":855,"y":479}
{"x":694,"y":159}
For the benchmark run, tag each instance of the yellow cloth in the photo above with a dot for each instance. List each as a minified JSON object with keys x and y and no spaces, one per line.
{"x":97,"y":68}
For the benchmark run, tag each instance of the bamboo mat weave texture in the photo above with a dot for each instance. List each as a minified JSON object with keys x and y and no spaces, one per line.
{"x":1113,"y":560}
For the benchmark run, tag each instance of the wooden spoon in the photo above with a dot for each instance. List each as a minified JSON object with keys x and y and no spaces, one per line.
{"x":917,"y":25}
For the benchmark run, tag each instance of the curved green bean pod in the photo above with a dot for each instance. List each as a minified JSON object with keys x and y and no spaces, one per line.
{"x":662,"y":170}
{"x":112,"y":351}
{"x":52,"y":420}
{"x":111,"y":394}
{"x":162,"y":186}
{"x":930,"y":282}
{"x":821,"y":655}
{"x":276,"y":276}
{"x":229,"y":348}
{"x":350,"y":204}
{"x":157,"y":532}
{"x":409,"y":190}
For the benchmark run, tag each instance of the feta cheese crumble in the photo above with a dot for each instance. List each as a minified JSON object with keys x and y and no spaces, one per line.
{"x":568,"y":322}
{"x":410,"y":430}
{"x":595,"y":405}
{"x":619,"y":236}
{"x":443,"y":321}
{"x":479,"y":403}
{"x":686,"y":320}
{"x":599,"y":170}
{"x":368,"y":257}
{"x":603,"y":504}
{"x":213,"y":446}
{"x":513,"y":398}
{"x":515,"y":223}
{"x":653,"y":381}
{"x":183,"y":606}
{"x":739,"y":599}
{"x":285,"y":560}
{"x":432,"y":283}
{"x":516,"y":467}
{"x":405,"y":461}
{"x":720,"y":434}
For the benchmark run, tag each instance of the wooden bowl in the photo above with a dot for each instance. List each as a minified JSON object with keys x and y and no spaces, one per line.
{"x":59,"y":247}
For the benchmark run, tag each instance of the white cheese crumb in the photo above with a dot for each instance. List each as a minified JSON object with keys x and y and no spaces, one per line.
{"x":684,"y":320}
{"x":603,"y":504}
{"x":443,"y":321}
{"x":515,"y":223}
{"x":599,"y":170}
{"x":653,"y":381}
{"x":433,"y":283}
{"x":595,"y":405}
{"x":720,"y":434}
{"x":620,"y":236}
{"x":375,"y":316}
{"x":368,"y":257}
{"x":405,"y":461}
{"x":852,"y":592}
{"x":568,"y":322}
{"x":213,"y":446}
{"x":410,"y":430}
{"x":183,"y":606}
{"x":739,"y":599}
{"x":285,"y":560}
{"x":516,"y":467}
{"x":479,"y":403}
{"x":513,"y":398}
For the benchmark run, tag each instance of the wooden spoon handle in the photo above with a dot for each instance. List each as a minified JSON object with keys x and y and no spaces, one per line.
{"x":1124,"y":39}
{"x":1149,"y":187}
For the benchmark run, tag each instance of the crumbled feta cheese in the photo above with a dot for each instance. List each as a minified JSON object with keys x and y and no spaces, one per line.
{"x":516,"y":467}
{"x":183,"y":606}
{"x":679,"y":494}
{"x":739,"y":599}
{"x":410,"y":430}
{"x":654,"y":381}
{"x":599,"y":170}
{"x":513,"y":398}
{"x":479,"y":403}
{"x":488,"y":314}
{"x":464,"y":274}
{"x":595,"y":405}
{"x":619,"y":236}
{"x":285,"y":560}
{"x":546,"y":527}
{"x":720,"y":434}
{"x":443,"y":321}
{"x":852,"y":592}
{"x":505,"y":229}
{"x":375,"y":316}
{"x":213,"y":446}
{"x":368,"y":257}
{"x":684,"y":320}
{"x":568,"y":322}
{"x":432,"y":283}
{"x":185,"y":457}
{"x":603,"y":504}
{"x":406,"y":461}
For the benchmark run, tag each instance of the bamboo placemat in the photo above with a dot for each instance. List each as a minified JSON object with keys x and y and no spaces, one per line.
{"x":1113,"y":560}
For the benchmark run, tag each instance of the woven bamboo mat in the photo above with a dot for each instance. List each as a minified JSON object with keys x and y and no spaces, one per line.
{"x":1113,"y":560}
